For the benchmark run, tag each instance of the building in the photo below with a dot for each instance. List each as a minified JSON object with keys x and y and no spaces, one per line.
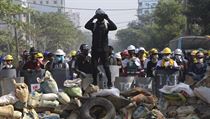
{"x":47,"y":5}
{"x":146,"y":7}
{"x":55,"y":6}
{"x":21,"y":17}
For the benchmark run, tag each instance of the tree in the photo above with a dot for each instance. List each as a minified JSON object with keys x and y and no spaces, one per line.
{"x":170,"y":20}
{"x":198,"y":13}
{"x":8,"y":10}
{"x":6,"y":44}
{"x":55,"y":30}
{"x":167,"y":23}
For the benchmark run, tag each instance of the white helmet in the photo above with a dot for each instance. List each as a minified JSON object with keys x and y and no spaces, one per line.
{"x":141,"y":49}
{"x":118,"y":55}
{"x":131,"y":47}
{"x":59,"y":52}
{"x":178,"y":52}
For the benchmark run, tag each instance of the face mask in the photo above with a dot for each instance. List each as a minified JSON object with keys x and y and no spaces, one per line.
{"x":59,"y":58}
{"x":155,"y":57}
{"x":200,"y":60}
{"x":178,"y":58}
{"x":166,"y":57}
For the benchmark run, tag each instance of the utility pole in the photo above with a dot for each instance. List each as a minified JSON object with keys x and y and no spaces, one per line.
{"x":16,"y":43}
{"x":186,"y":30}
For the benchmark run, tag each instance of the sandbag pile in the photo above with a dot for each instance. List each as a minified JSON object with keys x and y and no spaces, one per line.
{"x":8,"y":102}
{"x":181,"y":102}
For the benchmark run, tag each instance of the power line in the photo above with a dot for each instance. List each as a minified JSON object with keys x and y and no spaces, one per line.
{"x":76,"y":8}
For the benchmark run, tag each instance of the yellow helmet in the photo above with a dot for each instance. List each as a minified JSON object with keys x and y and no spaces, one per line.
{"x":39,"y":55}
{"x":153,"y":51}
{"x":208,"y":52}
{"x":8,"y":57}
{"x":73,"y":53}
{"x":194,"y":52}
{"x":166,"y":51}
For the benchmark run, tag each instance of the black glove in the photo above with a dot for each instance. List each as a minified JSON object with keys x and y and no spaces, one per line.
{"x":106,"y":16}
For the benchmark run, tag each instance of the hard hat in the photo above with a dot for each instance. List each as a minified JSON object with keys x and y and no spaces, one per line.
{"x":73,"y":53}
{"x":46,"y":53}
{"x":118,"y":55}
{"x":142,"y":49}
{"x":166,"y":51}
{"x":178,"y":52}
{"x":153,"y":51}
{"x":99,"y":11}
{"x":8,"y":57}
{"x":131,"y":47}
{"x":193,"y":53}
{"x":59,"y":52}
{"x":84,"y":47}
{"x":39,"y":55}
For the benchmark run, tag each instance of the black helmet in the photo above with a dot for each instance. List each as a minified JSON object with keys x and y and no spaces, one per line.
{"x":84,"y":47}
{"x":99,"y":11}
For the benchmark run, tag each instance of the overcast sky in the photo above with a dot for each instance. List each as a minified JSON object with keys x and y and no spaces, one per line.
{"x":121,"y":18}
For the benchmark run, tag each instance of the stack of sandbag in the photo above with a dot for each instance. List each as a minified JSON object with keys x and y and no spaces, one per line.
{"x":182,"y":102}
{"x":143,"y":105}
{"x":7,"y":102}
{"x":48,"y":98}
{"x":73,"y":88}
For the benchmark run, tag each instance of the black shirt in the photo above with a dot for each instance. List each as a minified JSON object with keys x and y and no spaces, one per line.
{"x":150,"y":66}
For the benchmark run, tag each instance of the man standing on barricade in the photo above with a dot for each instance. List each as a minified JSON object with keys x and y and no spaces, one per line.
{"x":100,"y":31}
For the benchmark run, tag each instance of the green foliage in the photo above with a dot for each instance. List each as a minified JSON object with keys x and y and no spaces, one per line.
{"x":198,"y":13}
{"x":166,"y":23}
{"x":55,"y":30}
{"x":8,"y":10}
{"x":6,"y":44}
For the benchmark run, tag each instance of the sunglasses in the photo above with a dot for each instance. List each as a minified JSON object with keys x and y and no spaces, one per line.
{"x":8,"y":60}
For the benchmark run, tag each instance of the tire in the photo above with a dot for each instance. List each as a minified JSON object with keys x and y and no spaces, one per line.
{"x":98,"y":102}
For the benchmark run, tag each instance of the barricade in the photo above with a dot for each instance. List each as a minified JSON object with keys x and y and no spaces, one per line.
{"x":124,"y":83}
{"x":6,"y":80}
{"x":30,"y":78}
{"x":60,"y":75}
{"x":164,"y":77}
{"x":86,"y":81}
{"x":143,"y":82}
{"x":102,"y":81}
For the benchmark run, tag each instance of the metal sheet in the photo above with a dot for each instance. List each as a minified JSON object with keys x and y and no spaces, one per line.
{"x":30,"y":77}
{"x":86,"y":81}
{"x":8,"y":73}
{"x":6,"y":85}
{"x":60,"y":75}
{"x":124,"y":83}
{"x":142,"y":82}
{"x":114,"y":69}
{"x":165,"y":77}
